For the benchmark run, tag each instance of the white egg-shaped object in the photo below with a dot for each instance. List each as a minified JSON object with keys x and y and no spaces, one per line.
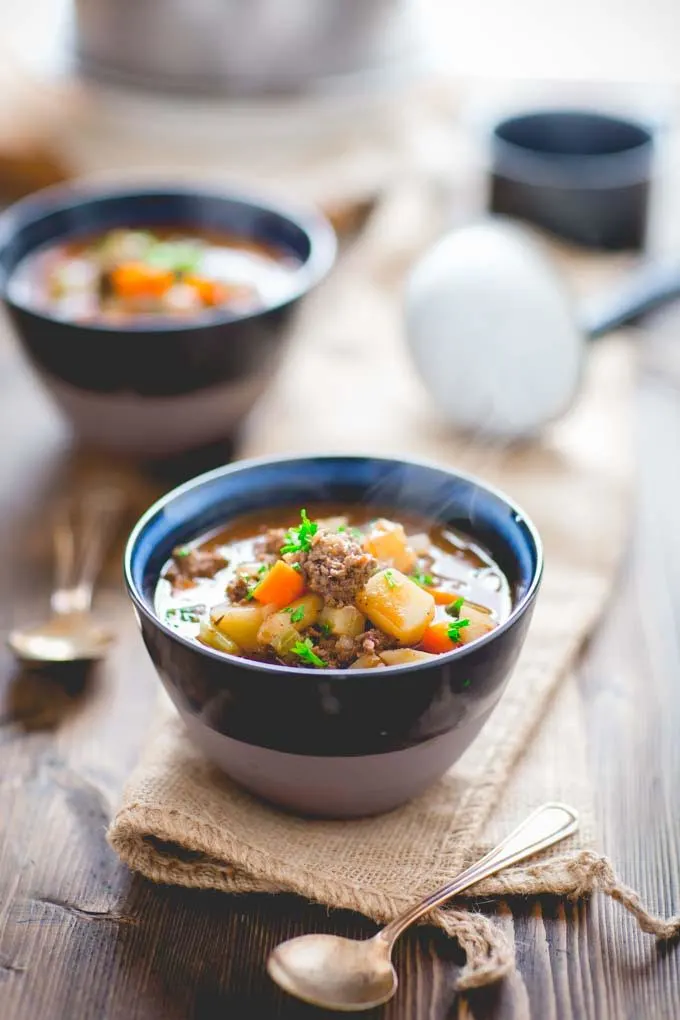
{"x":492,"y":331}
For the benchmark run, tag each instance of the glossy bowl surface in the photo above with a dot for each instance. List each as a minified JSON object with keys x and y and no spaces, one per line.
{"x":157,"y":388}
{"x":334,"y":742}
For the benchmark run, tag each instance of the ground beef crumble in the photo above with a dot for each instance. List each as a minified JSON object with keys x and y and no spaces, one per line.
{"x":375,"y":641}
{"x":188,"y":564}
{"x":269,"y":545}
{"x":335,"y":652}
{"x":340,"y":652}
{"x":335,"y":566}
{"x":238,"y":588}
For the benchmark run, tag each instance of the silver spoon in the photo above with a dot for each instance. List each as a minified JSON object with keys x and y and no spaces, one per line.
{"x":81,"y":535}
{"x":350,"y":974}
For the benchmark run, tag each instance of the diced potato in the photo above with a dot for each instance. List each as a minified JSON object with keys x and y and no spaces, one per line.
{"x":420,"y":543}
{"x":240,"y":623}
{"x":368,"y":661}
{"x":343,"y":620}
{"x":388,"y":543}
{"x":397,"y":605}
{"x":405,"y":656}
{"x":279,"y":633}
{"x":311,"y":605}
{"x":332,"y":523}
{"x":209,"y":635}
{"x":480,"y":624}
{"x":281,"y":630}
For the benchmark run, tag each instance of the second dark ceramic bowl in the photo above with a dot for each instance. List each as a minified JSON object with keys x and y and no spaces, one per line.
{"x":156,"y":388}
{"x":584,"y":176}
{"x":338,"y":743}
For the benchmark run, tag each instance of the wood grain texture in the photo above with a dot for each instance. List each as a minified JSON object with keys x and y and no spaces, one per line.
{"x":81,"y":939}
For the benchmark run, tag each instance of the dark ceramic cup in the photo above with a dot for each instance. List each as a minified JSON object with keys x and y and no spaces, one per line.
{"x":583,"y":176}
{"x":338,"y":743}
{"x":157,"y":388}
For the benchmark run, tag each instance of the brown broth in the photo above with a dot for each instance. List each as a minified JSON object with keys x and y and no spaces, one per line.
{"x":458,"y":563}
{"x":67,"y":280}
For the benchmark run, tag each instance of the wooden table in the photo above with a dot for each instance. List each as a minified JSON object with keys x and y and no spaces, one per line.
{"x":82,"y":939}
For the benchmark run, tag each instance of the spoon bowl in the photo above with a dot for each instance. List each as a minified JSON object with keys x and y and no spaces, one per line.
{"x":82,"y":530}
{"x":68,"y":638}
{"x":335,"y":972}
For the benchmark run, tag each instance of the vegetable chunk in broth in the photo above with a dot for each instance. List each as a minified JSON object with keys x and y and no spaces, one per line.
{"x":166,"y":273}
{"x":333,"y":589}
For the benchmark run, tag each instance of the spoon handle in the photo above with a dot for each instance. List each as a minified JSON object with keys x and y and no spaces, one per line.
{"x":646,"y":289}
{"x":81,"y":534}
{"x":547,"y":825}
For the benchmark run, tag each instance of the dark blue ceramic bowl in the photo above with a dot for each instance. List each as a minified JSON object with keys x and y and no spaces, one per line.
{"x":582,"y":175}
{"x":334,"y":742}
{"x":158,"y":388}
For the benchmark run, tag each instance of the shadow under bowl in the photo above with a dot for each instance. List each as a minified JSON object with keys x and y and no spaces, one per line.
{"x":336,"y":743}
{"x":152,"y":387}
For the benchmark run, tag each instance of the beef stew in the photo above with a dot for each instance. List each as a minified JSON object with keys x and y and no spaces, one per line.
{"x":165,"y":273}
{"x":339,"y":588}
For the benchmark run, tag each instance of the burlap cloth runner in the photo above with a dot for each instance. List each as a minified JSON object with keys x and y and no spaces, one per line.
{"x":347,"y":384}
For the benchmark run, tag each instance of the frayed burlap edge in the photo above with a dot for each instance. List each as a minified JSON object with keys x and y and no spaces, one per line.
{"x":142,"y":839}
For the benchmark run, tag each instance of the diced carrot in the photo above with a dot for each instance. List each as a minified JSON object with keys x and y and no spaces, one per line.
{"x":440,"y":596}
{"x":280,"y":586}
{"x":210,"y":291}
{"x":217,"y":292}
{"x":139,"y":280}
{"x":436,"y":639}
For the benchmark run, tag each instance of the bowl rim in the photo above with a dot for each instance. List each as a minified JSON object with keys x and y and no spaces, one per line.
{"x":274,"y":668}
{"x":572,"y":171}
{"x":57,"y":197}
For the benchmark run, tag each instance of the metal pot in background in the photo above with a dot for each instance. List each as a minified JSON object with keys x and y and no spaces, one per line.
{"x":242,"y":47}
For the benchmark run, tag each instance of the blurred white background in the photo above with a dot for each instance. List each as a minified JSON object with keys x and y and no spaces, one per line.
{"x":624,"y":40}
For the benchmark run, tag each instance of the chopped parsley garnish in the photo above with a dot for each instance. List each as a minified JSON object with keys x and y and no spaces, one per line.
{"x":296,"y":566}
{"x":250,"y":594}
{"x":262,"y":569}
{"x":185,"y":614}
{"x":455,"y":607}
{"x":455,"y":628}
{"x":177,"y":256}
{"x":325,"y":629}
{"x":424,"y":580}
{"x":300,"y":539}
{"x":181,"y":551}
{"x":389,"y":577}
{"x":297,"y":613}
{"x":305,"y":651}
